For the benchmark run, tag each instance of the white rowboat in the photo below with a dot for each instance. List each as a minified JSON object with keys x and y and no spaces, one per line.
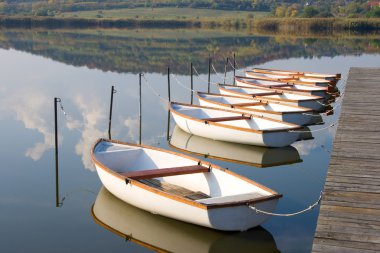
{"x":261,"y":157}
{"x":232,"y":126}
{"x":293,"y":98}
{"x":297,"y":73}
{"x":295,"y":80}
{"x":165,"y":235}
{"x":181,"y":187}
{"x":306,"y":89}
{"x":265,"y":108}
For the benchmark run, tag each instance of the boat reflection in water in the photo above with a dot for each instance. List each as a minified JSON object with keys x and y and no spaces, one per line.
{"x":162,"y":234}
{"x":233,"y":152}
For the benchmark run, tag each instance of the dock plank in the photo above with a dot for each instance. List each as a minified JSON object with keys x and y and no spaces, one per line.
{"x":349,"y":217}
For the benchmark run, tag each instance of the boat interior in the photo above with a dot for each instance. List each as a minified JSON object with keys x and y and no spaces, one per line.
{"x":249,"y":103}
{"x":231,"y":118}
{"x":160,"y":170}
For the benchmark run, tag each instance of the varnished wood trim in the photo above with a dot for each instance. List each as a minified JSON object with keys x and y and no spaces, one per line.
{"x":249,"y":104}
{"x":221,"y":119}
{"x":266,"y":94}
{"x":165,"y":172}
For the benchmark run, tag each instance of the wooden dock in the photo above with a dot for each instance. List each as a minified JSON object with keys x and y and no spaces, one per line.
{"x":349,"y":218}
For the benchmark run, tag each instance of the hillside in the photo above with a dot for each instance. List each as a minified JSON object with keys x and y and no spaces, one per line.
{"x":278,"y":8}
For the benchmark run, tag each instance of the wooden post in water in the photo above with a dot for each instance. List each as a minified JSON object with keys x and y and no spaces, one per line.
{"x":140,"y":110}
{"x":234,"y":69}
{"x":209,"y":74}
{"x":110,"y":115}
{"x":225,"y":71}
{"x":191,"y":83}
{"x":57,"y":202}
{"x":169,"y":84}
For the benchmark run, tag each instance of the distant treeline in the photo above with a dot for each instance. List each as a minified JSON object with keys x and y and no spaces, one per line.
{"x":281,"y":25}
{"x":51,"y":22}
{"x":279,"y":8}
{"x":150,"y":51}
{"x":317,"y":25}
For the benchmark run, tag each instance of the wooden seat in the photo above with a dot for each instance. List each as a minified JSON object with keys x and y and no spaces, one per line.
{"x":265,"y":94}
{"x":226,"y":118}
{"x":249,"y":104}
{"x":165,"y":172}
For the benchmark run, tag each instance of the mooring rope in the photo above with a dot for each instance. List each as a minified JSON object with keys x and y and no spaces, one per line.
{"x":236,"y":68}
{"x":202,"y":79}
{"x":217,"y":74}
{"x":199,"y":76}
{"x":154,"y":91}
{"x":69,"y":118}
{"x":180,"y":83}
{"x":287,"y":214}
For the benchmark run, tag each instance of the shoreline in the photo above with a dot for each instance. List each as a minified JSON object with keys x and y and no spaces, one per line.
{"x":277,"y":25}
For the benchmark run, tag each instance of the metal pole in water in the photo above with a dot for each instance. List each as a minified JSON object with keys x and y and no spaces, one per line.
{"x":191,"y":82}
{"x":169,"y":84}
{"x":140,"y":75}
{"x":57,"y":203}
{"x":209,"y":74}
{"x":168,"y":129}
{"x":234,"y":68}
{"x":225,"y":71}
{"x":110,"y":115}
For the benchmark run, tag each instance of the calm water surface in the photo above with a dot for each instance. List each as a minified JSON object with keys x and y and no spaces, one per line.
{"x":35,"y":68}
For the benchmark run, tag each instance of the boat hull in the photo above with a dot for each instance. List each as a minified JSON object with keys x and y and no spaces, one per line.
{"x":234,"y":218}
{"x":215,"y":132}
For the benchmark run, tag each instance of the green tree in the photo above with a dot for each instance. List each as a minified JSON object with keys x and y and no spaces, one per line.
{"x":374,"y":13}
{"x":309,"y":12}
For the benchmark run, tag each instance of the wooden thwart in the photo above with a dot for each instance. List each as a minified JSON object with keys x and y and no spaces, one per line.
{"x":226,"y":118}
{"x":249,"y":104}
{"x":166,"y":172}
{"x":265,"y":94}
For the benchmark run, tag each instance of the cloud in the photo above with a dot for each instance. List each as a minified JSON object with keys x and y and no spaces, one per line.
{"x":30,"y":109}
{"x":93,"y":114}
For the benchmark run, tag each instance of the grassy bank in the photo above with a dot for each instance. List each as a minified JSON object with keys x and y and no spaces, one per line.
{"x":317,"y":25}
{"x":189,"y":14}
{"x":260,"y":25}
